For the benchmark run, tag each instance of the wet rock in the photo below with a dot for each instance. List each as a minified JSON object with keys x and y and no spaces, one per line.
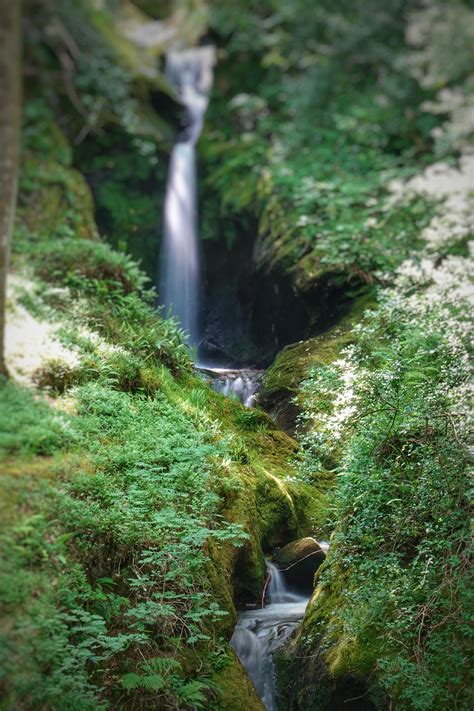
{"x":299,"y":561}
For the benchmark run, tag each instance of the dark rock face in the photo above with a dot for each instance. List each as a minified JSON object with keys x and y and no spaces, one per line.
{"x":282,"y":409}
{"x":247,"y":315}
{"x":249,"y":312}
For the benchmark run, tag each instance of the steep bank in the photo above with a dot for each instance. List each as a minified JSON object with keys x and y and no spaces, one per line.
{"x":389,"y":417}
{"x":136,"y":502}
{"x":322,"y":157}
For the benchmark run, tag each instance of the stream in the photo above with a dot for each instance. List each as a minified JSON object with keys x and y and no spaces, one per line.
{"x":258,"y":633}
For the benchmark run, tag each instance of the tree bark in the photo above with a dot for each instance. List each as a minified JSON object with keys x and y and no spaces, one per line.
{"x":10,"y":115}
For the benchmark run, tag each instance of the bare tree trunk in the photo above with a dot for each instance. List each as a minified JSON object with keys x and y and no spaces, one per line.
{"x":10,"y":113}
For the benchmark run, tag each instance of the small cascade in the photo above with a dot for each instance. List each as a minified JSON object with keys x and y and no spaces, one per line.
{"x":241,"y":385}
{"x":259,"y":633}
{"x":324,"y":545}
{"x":277,"y":592}
{"x":190,"y":72}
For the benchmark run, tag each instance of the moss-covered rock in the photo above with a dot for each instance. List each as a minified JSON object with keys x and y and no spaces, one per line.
{"x":56,"y":200}
{"x":265,"y":497}
{"x":294,"y":552}
{"x":303,"y":683}
{"x":322,"y":681}
{"x":298,"y":562}
{"x":237,"y":692}
{"x":280,"y":386}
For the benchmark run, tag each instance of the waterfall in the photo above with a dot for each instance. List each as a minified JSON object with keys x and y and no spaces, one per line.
{"x":277,"y":589}
{"x":259,"y":633}
{"x":190,"y":72}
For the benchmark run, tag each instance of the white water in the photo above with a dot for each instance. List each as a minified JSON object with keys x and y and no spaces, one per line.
{"x":241,"y":384}
{"x":259,"y":633}
{"x":190,"y":72}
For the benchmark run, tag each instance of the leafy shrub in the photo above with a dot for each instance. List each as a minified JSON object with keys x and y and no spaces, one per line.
{"x":311,"y":161}
{"x":124,"y":536}
{"x":57,"y":376}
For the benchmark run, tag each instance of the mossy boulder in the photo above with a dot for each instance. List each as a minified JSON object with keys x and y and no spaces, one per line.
{"x":297,"y":551}
{"x":59,"y":201}
{"x":280,"y":391}
{"x":325,"y":669}
{"x":237,"y":693}
{"x":299,"y":561}
{"x":262,"y":493}
{"x":304,"y":683}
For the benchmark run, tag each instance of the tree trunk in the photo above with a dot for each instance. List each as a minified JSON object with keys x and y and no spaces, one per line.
{"x":10,"y":111}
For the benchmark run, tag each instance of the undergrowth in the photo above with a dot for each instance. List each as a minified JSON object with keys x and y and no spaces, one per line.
{"x":104,"y":566}
{"x":326,"y":115}
{"x":389,"y":417}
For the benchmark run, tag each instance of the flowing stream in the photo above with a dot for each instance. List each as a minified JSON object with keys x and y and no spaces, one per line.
{"x":259,"y":633}
{"x":190,"y":72}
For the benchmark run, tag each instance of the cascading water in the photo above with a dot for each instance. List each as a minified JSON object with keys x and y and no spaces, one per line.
{"x":241,"y":384}
{"x":259,"y":633}
{"x":190,"y":72}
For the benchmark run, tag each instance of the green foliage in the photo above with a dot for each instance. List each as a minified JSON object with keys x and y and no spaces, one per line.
{"x":142,"y":498}
{"x":394,"y":595}
{"x":118,"y":550}
{"x":309,"y":150}
{"x":110,"y":286}
{"x":89,"y":266}
{"x":98,"y":84}
{"x":28,"y":424}
{"x":100,"y":80}
{"x":128,"y":193}
{"x":157,"y":673}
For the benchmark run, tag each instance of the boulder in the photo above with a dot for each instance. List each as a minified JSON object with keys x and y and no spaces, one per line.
{"x":295,"y":551}
{"x":299,"y":561}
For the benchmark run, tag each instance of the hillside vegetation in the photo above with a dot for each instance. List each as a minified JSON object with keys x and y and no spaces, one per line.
{"x":138,"y":504}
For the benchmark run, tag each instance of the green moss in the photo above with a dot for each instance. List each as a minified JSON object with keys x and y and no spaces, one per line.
{"x":291,"y":365}
{"x":296,"y":550}
{"x":55,"y":202}
{"x":319,"y":196}
{"x":237,"y":692}
{"x":259,"y":487}
{"x":139,"y":62}
{"x":237,"y":573}
{"x":314,"y":678}
{"x":28,"y":425}
{"x":128,"y":189}
{"x":280,"y":392}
